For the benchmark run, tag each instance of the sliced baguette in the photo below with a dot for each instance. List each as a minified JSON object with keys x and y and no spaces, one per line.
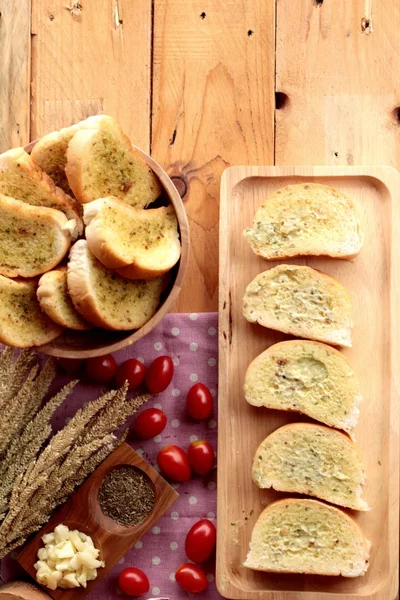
{"x":102,"y":163}
{"x":302,"y":302}
{"x":311,"y":459}
{"x":22,"y":179}
{"x":307,"y":536}
{"x":33,"y":239}
{"x":144,"y":242}
{"x":306,"y":219}
{"x":306,"y":377}
{"x":106,"y":299}
{"x":50,"y":151}
{"x":54,"y":300}
{"x":22,"y":323}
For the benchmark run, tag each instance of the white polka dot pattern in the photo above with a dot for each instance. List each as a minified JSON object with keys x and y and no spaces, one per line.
{"x":192,"y":343}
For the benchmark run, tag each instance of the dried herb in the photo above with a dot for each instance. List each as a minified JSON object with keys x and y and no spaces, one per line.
{"x":126,"y":496}
{"x":38,"y":472}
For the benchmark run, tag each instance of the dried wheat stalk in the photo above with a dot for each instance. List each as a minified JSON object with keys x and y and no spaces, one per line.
{"x":39,"y":472}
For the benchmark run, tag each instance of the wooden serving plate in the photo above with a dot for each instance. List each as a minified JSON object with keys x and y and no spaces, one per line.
{"x":97,"y":342}
{"x":82,"y":512}
{"x":373,"y":282}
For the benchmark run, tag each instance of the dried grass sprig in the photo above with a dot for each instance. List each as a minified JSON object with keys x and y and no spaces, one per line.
{"x":39,"y":472}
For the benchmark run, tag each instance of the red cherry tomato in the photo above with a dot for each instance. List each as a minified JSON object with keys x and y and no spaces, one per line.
{"x":150,"y":423}
{"x":191,"y":578}
{"x":133,"y":582}
{"x":201,"y":457}
{"x":70,"y":365}
{"x":174,"y":463}
{"x":200,"y":541}
{"x":132,"y":371}
{"x":101,"y":368}
{"x":199,"y":402}
{"x":159,"y":374}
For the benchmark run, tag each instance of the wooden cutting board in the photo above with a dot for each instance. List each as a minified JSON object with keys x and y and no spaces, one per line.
{"x":373,"y":281}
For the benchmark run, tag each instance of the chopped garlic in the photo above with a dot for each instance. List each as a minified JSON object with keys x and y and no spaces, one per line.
{"x":68,"y":560}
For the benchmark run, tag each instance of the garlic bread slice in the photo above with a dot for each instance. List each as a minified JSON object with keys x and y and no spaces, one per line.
{"x":302,"y":302}
{"x":22,"y":322}
{"x":22,"y":179}
{"x":306,"y":377}
{"x":33,"y":239}
{"x":311,"y":459}
{"x":307,"y":536}
{"x":107,"y":299}
{"x":102,"y":163}
{"x":145,"y":243}
{"x":306,"y":219}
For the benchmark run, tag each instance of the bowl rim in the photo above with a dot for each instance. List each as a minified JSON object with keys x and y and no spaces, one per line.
{"x":51,"y":349}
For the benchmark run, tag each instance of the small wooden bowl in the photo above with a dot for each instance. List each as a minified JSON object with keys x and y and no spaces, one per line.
{"x":97,"y":342}
{"x":82,"y":511}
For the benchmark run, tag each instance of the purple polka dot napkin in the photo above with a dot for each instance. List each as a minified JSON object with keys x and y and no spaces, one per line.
{"x":192,"y":341}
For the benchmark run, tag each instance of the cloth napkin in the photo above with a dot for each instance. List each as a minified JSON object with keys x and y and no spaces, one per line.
{"x":192,"y":342}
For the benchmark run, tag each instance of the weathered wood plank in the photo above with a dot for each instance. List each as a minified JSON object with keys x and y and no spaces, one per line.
{"x":15,"y":27}
{"x":93,"y":56}
{"x":339,"y":67}
{"x":213,"y":106}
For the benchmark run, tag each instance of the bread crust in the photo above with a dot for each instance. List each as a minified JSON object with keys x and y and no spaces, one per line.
{"x":47,"y":295}
{"x":53,"y":218}
{"x":311,"y":503}
{"x":65,"y":203}
{"x":46,"y":331}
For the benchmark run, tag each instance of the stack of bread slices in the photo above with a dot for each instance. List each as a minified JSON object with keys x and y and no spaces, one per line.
{"x":310,"y":377}
{"x":80,"y":244}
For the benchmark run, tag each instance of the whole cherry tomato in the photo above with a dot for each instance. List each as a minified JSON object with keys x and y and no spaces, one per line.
{"x":201,"y":457}
{"x":132,"y":371}
{"x":70,"y":365}
{"x":101,"y":368}
{"x":200,"y":541}
{"x":174,"y":463}
{"x":150,"y":423}
{"x":199,"y":402}
{"x":159,"y":374}
{"x":191,"y":578}
{"x":133,"y":582}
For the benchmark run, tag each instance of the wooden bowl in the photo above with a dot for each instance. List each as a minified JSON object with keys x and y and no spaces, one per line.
{"x":97,"y":342}
{"x":82,"y":511}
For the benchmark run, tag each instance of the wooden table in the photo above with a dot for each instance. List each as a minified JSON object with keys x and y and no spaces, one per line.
{"x":204,"y":84}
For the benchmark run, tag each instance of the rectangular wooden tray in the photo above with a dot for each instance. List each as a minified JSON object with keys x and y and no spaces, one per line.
{"x":373,"y":281}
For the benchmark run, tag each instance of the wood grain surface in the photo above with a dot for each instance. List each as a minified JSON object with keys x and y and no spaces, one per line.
{"x":374,"y":287}
{"x":212,"y":107}
{"x":15,"y":76}
{"x":82,"y":511}
{"x":195,"y":82}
